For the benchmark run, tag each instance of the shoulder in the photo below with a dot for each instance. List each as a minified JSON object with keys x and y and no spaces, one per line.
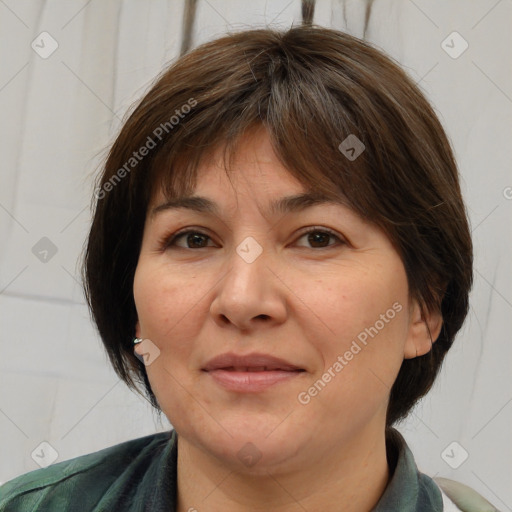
{"x":83,"y":479}
{"x":457,"y":496}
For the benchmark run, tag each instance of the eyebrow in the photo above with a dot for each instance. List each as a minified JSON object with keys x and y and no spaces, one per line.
{"x":283,"y":205}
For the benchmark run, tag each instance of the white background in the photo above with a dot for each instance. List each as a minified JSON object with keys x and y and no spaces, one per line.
{"x":58,"y":116}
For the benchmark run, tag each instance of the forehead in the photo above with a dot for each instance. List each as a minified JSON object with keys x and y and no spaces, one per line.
{"x":254,"y":172}
{"x":250,"y":167}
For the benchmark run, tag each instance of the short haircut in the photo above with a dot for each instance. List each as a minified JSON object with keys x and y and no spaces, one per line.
{"x":311,"y":88}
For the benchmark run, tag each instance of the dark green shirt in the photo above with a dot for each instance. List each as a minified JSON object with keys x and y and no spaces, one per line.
{"x":140,"y":475}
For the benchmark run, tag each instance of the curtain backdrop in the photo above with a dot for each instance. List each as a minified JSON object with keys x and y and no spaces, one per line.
{"x":70,"y":71}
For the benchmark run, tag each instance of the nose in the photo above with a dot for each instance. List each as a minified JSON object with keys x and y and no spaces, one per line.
{"x":251,"y":294}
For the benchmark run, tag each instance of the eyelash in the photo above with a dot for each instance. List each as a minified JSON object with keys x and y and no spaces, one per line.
{"x":167,"y":242}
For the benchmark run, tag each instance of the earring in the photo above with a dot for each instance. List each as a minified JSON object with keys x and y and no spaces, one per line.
{"x":137,"y":341}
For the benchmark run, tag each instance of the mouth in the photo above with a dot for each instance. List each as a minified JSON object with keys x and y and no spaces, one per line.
{"x":255,"y":369}
{"x":250,"y":373}
{"x":249,"y":363}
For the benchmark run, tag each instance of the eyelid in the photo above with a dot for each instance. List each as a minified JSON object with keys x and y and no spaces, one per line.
{"x":309,"y":229}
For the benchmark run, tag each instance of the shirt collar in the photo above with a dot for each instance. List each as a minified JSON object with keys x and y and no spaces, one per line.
{"x":159,"y":481}
{"x":408,"y":490}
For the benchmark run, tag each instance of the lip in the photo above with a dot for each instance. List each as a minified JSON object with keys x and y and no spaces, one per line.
{"x":251,"y":372}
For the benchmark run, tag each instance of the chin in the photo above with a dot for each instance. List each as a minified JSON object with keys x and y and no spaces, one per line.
{"x":255,"y":447}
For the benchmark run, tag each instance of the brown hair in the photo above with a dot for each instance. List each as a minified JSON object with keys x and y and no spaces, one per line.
{"x":310,"y":87}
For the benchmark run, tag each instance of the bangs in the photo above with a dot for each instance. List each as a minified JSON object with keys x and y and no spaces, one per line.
{"x":304,"y":120}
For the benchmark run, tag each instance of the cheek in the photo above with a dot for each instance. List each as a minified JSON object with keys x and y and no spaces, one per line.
{"x":171,"y":314}
{"x":162,"y":298}
{"x":349,"y":303}
{"x":166,"y":316}
{"x":367,"y":319}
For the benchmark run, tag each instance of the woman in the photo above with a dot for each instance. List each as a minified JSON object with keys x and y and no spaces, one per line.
{"x":280,"y":257}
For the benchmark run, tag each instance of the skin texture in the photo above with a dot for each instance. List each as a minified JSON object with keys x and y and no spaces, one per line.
{"x":303,"y":299}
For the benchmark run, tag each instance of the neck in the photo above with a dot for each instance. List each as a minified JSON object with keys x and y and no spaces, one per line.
{"x":354,"y":475}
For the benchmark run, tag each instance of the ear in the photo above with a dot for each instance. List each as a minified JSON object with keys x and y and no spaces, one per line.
{"x":137,"y":329}
{"x":423,"y":331}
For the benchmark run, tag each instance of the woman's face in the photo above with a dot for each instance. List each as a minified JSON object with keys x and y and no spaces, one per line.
{"x":269,"y":346}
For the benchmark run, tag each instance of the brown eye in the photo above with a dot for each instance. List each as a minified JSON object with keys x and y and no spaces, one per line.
{"x":193,"y":240}
{"x":319,"y":238}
